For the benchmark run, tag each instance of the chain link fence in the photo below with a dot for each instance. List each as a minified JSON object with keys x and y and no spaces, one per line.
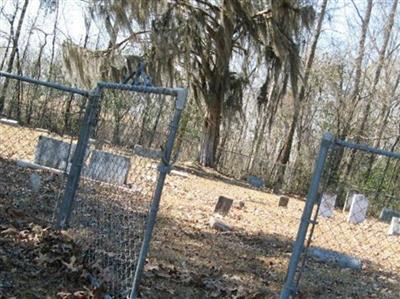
{"x":101,"y":157}
{"x":349,"y":236}
{"x":243,"y":166}
{"x":38,"y":132}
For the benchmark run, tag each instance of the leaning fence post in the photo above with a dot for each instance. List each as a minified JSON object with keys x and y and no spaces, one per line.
{"x":289,"y":288}
{"x":164,"y":169}
{"x":65,"y":208}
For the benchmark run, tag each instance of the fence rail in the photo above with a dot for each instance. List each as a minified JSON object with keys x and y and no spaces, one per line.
{"x":334,"y":234}
{"x":103,"y":177}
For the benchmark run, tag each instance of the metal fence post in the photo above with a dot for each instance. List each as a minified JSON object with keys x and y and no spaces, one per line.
{"x":289,"y":288}
{"x":65,"y":208}
{"x":164,"y":169}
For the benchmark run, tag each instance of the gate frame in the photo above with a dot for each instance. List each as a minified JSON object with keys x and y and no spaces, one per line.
{"x":88,"y":124}
{"x":290,"y":286}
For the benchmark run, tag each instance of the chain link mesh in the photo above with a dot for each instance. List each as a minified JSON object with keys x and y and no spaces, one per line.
{"x":349,"y":247}
{"x":38,"y":131}
{"x":118,"y":181}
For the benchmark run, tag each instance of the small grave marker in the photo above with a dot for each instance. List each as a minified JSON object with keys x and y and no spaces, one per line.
{"x":358,"y":209}
{"x":394,"y":229}
{"x":107,"y":167}
{"x":223,"y":205}
{"x":327,"y":205}
{"x":388,"y":214}
{"x":283,"y":201}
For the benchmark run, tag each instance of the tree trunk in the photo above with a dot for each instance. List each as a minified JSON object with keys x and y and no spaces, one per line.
{"x":368,"y":106}
{"x":298,"y":100}
{"x":12,"y":56}
{"x":343,"y":133}
{"x":211,"y":130}
{"x":10,"y":39}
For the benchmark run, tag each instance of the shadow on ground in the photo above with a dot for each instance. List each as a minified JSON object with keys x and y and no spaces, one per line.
{"x":188,"y":259}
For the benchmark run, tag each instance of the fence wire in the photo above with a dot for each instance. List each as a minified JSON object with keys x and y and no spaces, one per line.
{"x":352,"y":244}
{"x":106,"y":153}
{"x":117,"y":183}
{"x":38,"y":131}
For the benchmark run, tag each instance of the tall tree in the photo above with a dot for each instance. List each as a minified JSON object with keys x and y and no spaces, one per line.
{"x":15,"y":39}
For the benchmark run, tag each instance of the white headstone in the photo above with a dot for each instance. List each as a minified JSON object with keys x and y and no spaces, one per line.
{"x":327,"y":206}
{"x":349,"y":197}
{"x":394,"y":229}
{"x":358,"y":209}
{"x":108,"y":167}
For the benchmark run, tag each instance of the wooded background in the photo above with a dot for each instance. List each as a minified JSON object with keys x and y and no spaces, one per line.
{"x":265,"y":78}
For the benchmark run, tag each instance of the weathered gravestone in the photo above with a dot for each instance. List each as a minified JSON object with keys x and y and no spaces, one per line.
{"x":394,"y":229}
{"x":358,"y":209}
{"x":147,"y":152}
{"x":349,"y":196}
{"x":223,"y":205}
{"x":255,"y":181}
{"x":107,"y":167}
{"x":327,"y":205}
{"x":334,"y":258}
{"x":283,"y":201}
{"x":54,"y":153}
{"x":387,"y":214}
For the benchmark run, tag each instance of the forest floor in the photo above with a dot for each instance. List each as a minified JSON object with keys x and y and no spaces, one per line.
{"x":188,"y":258}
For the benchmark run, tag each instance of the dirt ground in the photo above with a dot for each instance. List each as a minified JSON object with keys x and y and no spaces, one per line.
{"x":188,"y":258}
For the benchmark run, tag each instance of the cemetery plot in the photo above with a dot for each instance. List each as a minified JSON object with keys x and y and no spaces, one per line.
{"x":191,"y":258}
{"x":351,"y":244}
{"x":250,"y":259}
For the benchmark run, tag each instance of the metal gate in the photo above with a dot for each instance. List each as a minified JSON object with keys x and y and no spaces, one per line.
{"x":347,"y":245}
{"x":115,"y":178}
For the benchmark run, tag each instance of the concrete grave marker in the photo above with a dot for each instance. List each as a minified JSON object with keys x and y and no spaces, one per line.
{"x":388,"y":214}
{"x":349,"y":197}
{"x":107,"y":167}
{"x":223,"y":205}
{"x":336,"y":258}
{"x":283,"y":201}
{"x":358,"y":209}
{"x":327,"y":205}
{"x":54,"y":153}
{"x":394,"y":229}
{"x":10,"y":122}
